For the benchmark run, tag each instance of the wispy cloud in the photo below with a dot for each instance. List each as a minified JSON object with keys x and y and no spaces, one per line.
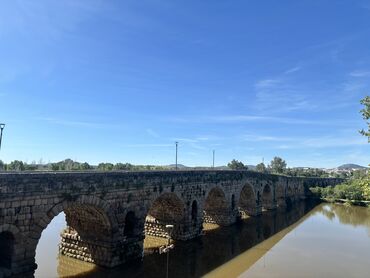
{"x":197,"y":146}
{"x":45,"y":20}
{"x":360,"y":73}
{"x":152,"y":133}
{"x":148,"y":145}
{"x":323,"y":142}
{"x":73,"y":123}
{"x":282,"y":120}
{"x":281,"y":95}
{"x":292,"y":70}
{"x":226,"y":119}
{"x":187,"y":140}
{"x":195,"y":143}
{"x":304,"y":142}
{"x":267,"y":83}
{"x":256,"y":138}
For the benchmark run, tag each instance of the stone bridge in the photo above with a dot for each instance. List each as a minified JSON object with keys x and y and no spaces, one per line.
{"x":109,"y":213}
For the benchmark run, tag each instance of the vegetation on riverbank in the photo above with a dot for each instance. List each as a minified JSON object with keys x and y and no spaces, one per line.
{"x":352,"y":191}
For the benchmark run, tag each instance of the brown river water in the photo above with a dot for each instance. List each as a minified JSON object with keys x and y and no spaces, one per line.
{"x":325,"y":240}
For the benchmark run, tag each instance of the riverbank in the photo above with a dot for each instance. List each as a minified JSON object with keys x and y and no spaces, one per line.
{"x":361,"y":203}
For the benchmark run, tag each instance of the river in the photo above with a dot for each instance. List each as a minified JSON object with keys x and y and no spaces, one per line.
{"x":310,"y":240}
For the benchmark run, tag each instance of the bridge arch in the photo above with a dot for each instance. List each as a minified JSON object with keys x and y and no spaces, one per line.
{"x":10,"y":240}
{"x":216,"y":208}
{"x":166,"y":209}
{"x":280,"y":195}
{"x":300,"y":191}
{"x":131,"y":225}
{"x":91,"y":226}
{"x":268,"y":197}
{"x":247,"y":201}
{"x":289,"y":195}
{"x":194,"y":211}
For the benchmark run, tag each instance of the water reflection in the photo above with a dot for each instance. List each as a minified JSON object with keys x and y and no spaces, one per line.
{"x":332,"y":240}
{"x":348,"y":215}
{"x":197,"y":257}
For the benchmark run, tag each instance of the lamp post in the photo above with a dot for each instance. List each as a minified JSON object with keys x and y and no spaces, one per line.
{"x":1,"y":132}
{"x":177,"y":143}
{"x":168,"y":247}
{"x":213,"y":159}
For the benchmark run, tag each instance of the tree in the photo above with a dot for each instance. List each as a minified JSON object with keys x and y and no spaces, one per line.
{"x":366,"y":115}
{"x":85,"y":166}
{"x":105,"y":166}
{"x":54,"y":166}
{"x":2,"y":165}
{"x":277,"y":165}
{"x":30,"y":167}
{"x":16,"y":165}
{"x":261,"y":168}
{"x":236,"y":165}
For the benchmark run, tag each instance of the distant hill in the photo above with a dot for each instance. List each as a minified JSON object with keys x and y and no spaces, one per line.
{"x":351,"y":166}
{"x":251,"y":167}
{"x":179,"y":166}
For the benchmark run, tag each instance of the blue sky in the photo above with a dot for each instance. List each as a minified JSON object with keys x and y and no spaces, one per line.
{"x":121,"y":81}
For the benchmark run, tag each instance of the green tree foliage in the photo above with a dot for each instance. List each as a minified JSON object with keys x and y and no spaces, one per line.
{"x":277,"y":165}
{"x":105,"y":166}
{"x":236,"y":165}
{"x":261,"y":168}
{"x":366,"y":115}
{"x":85,"y":166}
{"x":69,"y":165}
{"x":353,"y":189}
{"x":15,"y":165}
{"x":30,"y":167}
{"x":306,"y":172}
{"x":124,"y":166}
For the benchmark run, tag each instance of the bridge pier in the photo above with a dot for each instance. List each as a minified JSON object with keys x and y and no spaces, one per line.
{"x":220,"y":217}
{"x":103,"y":253}
{"x":181,"y":231}
{"x":250,"y":211}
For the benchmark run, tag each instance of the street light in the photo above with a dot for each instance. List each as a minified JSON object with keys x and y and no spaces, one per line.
{"x":168,"y":247}
{"x":1,"y":132}
{"x":213,"y":163}
{"x":176,"y":153}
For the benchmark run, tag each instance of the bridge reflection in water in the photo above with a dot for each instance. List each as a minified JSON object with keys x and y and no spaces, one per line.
{"x":200,"y":256}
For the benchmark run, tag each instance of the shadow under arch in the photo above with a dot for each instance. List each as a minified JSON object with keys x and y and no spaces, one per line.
{"x":267,"y":197}
{"x":10,"y":240}
{"x":247,"y":201}
{"x":90,"y":233}
{"x":166,"y":209}
{"x":289,"y":199}
{"x":216,"y":209}
{"x":280,"y":195}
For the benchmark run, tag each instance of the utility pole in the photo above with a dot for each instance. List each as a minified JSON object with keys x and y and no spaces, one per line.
{"x":213,"y":160}
{"x":176,"y":152}
{"x":1,"y":132}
